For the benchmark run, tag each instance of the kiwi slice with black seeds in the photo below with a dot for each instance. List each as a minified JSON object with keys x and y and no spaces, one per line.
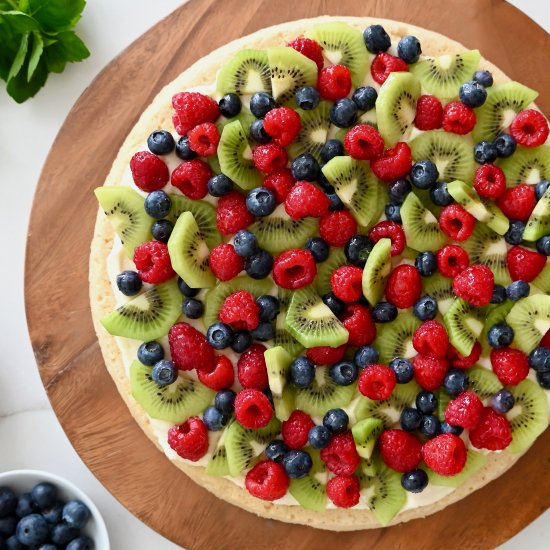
{"x":542,"y":281}
{"x":464,"y":324}
{"x":277,"y":361}
{"x":217,"y":464}
{"x":336,"y":258}
{"x":284,"y":339}
{"x":474,"y":462}
{"x":314,"y":131}
{"x":394,"y":339}
{"x":388,"y":496}
{"x":530,"y":319}
{"x":483,"y":382}
{"x":538,"y":224}
{"x":376,"y":271}
{"x":365,"y":434}
{"x":309,"y":490}
{"x":443,"y":399}
{"x":246,"y":72}
{"x":527,"y":165}
{"x":441,"y":289}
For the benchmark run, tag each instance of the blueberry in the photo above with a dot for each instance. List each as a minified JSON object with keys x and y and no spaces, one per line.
{"x":543,"y":378}
{"x":13,"y":544}
{"x":398,"y":190}
{"x":499,"y":294}
{"x":414,"y":481}
{"x":541,"y":188}
{"x":318,"y":248}
{"x":393,"y":212}
{"x":335,"y":305}
{"x":403,"y":370}
{"x":485,"y":78}
{"x":230,"y":105}
{"x":365,"y":355}
{"x":357,"y":250}
{"x":150,"y":353}
{"x":410,"y":419}
{"x":336,"y":420}
{"x":225,"y":401}
{"x":161,"y":230}
{"x":61,"y":534}
{"x":539,"y":359}
{"x":426,"y":263}
{"x":258,"y":133}
{"x":426,"y":402}
{"x":335,"y":202}
{"x":245,"y":243}
{"x":408,"y":49}
{"x":161,"y":142}
{"x":440,"y":195}
{"x":324,"y":184}
{"x":517,"y":290}
{"x":128,"y":282}
{"x":376,"y":39}
{"x":383,"y":312}
{"x":186,"y":290}
{"x":430,"y":425}
{"x":214,"y":419}
{"x":220,"y":185}
{"x":260,"y":201}
{"x":220,"y":335}
{"x":8,"y":525}
{"x":241,"y":341}
{"x":514,"y":235}
{"x":472,"y":94}
{"x":33,"y":529}
{"x":446,"y":428}
{"x":343,"y":113}
{"x":543,"y":245}
{"x":505,"y":145}
{"x":302,"y":372}
{"x":426,"y":308}
{"x":261,"y":103}
{"x":485,"y":151}
{"x":53,"y":514}
{"x":76,"y":514}
{"x":319,"y":437}
{"x":25,"y":505}
{"x":192,"y":308}
{"x":297,"y":464}
{"x":263,"y":332}
{"x":424,"y":174}
{"x":259,"y":265}
{"x":502,"y":401}
{"x":332,"y":148}
{"x":343,"y":373}
{"x":164,"y":373}
{"x":276,"y":450}
{"x":304,"y":167}
{"x":183,"y":149}
{"x":44,"y":495}
{"x":500,"y":335}
{"x":365,"y":98}
{"x":80,"y":543}
{"x":455,"y":382}
{"x":307,"y":98}
{"x":8,"y":502}
{"x":269,"y":307}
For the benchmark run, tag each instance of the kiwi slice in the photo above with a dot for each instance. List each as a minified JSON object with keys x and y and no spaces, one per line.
{"x":124,"y":208}
{"x":189,"y":253}
{"x":148,"y":316}
{"x":277,"y":362}
{"x":420,"y":225}
{"x":246,"y":72}
{"x":235,"y":156}
{"x":527,"y":165}
{"x":174,"y":403}
{"x":376,"y":271}
{"x":394,"y":339}
{"x":440,"y":288}
{"x":474,"y":462}
{"x":365,"y":434}
{"x":284,"y":339}
{"x":388,"y":495}
{"x":290,"y":70}
{"x":496,"y":315}
{"x":311,"y":322}
{"x":396,"y":106}
{"x":538,"y":224}
{"x":355,"y":184}
{"x":369,"y":118}
{"x":530,"y":319}
{"x":343,"y":45}
{"x":309,"y":491}
{"x":314,"y":131}
{"x":217,"y":465}
{"x":483,"y":382}
{"x":503,"y":102}
{"x":277,"y":232}
{"x":443,"y":399}
{"x":244,"y":117}
{"x":464,"y":324}
{"x":442,"y":76}
{"x":336,"y":258}
{"x":542,"y":282}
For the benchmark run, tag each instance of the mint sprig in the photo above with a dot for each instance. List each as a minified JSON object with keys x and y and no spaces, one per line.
{"x":36,"y":38}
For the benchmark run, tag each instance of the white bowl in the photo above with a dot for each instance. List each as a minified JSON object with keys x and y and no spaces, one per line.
{"x":22,"y":481}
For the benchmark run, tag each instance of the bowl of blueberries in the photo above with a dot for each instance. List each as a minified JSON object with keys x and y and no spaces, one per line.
{"x":42,"y":511}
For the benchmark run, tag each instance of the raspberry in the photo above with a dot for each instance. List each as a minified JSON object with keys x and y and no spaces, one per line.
{"x":431,"y":338}
{"x":343,"y":491}
{"x":225,"y":263}
{"x":523,"y":264}
{"x":191,"y":178}
{"x":325,"y":355}
{"x":391,"y":230}
{"x":510,"y":365}
{"x":346,"y":283}
{"x":221,"y":378}
{"x":251,"y":368}
{"x":363,"y":142}
{"x":340,"y":455}
{"x":337,"y":228}
{"x":456,"y":222}
{"x":445,"y":454}
{"x":429,"y":113}
{"x":311,"y":49}
{"x":283,"y":125}
{"x":280,"y":182}
{"x":458,"y":119}
{"x":475,"y":285}
{"x":334,"y":82}
{"x":153,"y":262}
{"x":451,"y":260}
{"x":190,"y":349}
{"x":383,"y":64}
{"x":149,"y":172}
{"x":493,"y":431}
{"x":204,"y":139}
{"x":180,"y":128}
{"x":294,"y":268}
{"x":269,"y":158}
{"x":529,"y":128}
{"x":518,"y":202}
{"x":458,"y":360}
{"x":377,"y":382}
{"x":394,"y":163}
{"x":232,"y":214}
{"x":429,"y":371}
{"x":296,"y":428}
{"x":358,"y":322}
{"x":240,"y":310}
{"x":192,"y":109}
{"x":267,"y":480}
{"x":489,"y":181}
{"x":304,"y":199}
{"x":464,"y":411}
{"x":400,"y":450}
{"x":190,"y":439}
{"x":404,"y":286}
{"x":253,"y":409}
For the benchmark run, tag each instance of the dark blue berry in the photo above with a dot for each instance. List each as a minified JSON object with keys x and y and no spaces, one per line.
{"x":186,"y":290}
{"x":514,"y":235}
{"x":426,"y":263}
{"x":8,"y":525}
{"x":414,"y":481}
{"x":499,"y":294}
{"x":161,"y":142}
{"x":164,"y":373}
{"x":25,"y":505}
{"x":150,"y":353}
{"x":343,"y":373}
{"x":183,"y":149}
{"x":263,"y":332}
{"x":76,"y":514}
{"x":324,"y":184}
{"x":214,"y":419}
{"x":430,"y":425}
{"x":53,"y":514}
{"x":13,"y":544}
{"x":447,"y":428}
{"x":297,"y":464}
{"x":426,"y":402}
{"x":245,"y":243}
{"x":500,"y":335}
{"x":541,"y":188}
{"x":258,"y":133}
{"x":426,"y":308}
{"x":230,"y":105}
{"x":336,"y":305}
{"x":543,"y":245}
{"x":225,"y":401}
{"x":485,"y":78}
{"x":398,"y":190}
{"x":410,"y":419}
{"x":332,"y":148}
{"x":319,"y":437}
{"x":307,"y":98}
{"x":302,"y":372}
{"x":376,"y":39}
{"x":128,"y":282}
{"x":403,"y":370}
{"x":82,"y":542}
{"x":543,"y":378}
{"x":539,"y":359}
{"x":336,"y":420}
{"x":343,"y":113}
{"x":383,"y":312}
{"x":192,"y":308}
{"x":219,"y":185}
{"x":269,"y":307}
{"x":502,"y":402}
{"x":305,"y":167}
{"x":260,"y":201}
{"x":393,"y":212}
{"x":335,"y":202}
{"x":8,"y":502}
{"x":365,"y":98}
{"x":32,"y":530}
{"x":161,"y":230}
{"x":517,"y":290}
{"x":261,"y":103}
{"x":259,"y":265}
{"x":220,"y":335}
{"x":424,"y":174}
{"x":408,"y":49}
{"x":472,"y":94}
{"x":357,"y":250}
{"x":440,"y":195}
{"x":276,"y":450}
{"x":242,"y":341}
{"x":318,"y":247}
{"x":505,"y":145}
{"x":61,"y":534}
{"x":455,"y":382}
{"x":44,"y":495}
{"x":366,"y":355}
{"x":485,"y":151}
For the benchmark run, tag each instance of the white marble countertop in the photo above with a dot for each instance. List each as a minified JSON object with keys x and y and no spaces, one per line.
{"x":30,"y":436}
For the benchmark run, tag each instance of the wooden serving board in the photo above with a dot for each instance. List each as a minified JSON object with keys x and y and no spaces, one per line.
{"x":68,"y":356}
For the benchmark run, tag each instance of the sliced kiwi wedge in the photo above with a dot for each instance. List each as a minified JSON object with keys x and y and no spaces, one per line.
{"x":277,"y":361}
{"x":530,"y":319}
{"x":441,"y":289}
{"x":365,"y":434}
{"x":496,"y":315}
{"x":483,"y":382}
{"x":217,"y":464}
{"x":503,"y":102}
{"x":148,"y":316}
{"x":394,"y":339}
{"x":174,"y":403}
{"x":443,"y":399}
{"x":542,"y":281}
{"x":527,"y":165}
{"x":376,"y":271}
{"x":474,"y":462}
{"x":336,"y":258}
{"x":284,"y":339}
{"x":396,"y":106}
{"x":314,"y":131}
{"x":538,"y":224}
{"x":464,"y":324}
{"x":309,"y":491}
{"x":246,"y":72}
{"x":388,"y":496}
{"x":124,"y":208}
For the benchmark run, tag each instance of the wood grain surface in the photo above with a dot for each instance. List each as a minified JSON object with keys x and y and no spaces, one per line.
{"x":68,"y":356}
